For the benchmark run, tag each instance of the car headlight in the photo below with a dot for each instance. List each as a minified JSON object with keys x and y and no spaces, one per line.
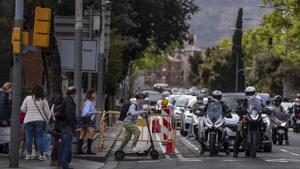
{"x":283,"y":124}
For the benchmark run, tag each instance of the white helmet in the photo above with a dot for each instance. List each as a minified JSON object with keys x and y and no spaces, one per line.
{"x":217,"y":95}
{"x":250,"y":91}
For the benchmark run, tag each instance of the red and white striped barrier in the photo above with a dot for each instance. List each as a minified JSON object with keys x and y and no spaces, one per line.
{"x":167,"y":129}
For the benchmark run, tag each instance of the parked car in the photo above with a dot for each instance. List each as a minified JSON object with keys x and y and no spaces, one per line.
{"x":188,"y":117}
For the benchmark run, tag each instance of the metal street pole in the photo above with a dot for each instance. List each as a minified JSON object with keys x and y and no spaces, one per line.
{"x":17,"y":89}
{"x":78,"y":55}
{"x":100,"y":95}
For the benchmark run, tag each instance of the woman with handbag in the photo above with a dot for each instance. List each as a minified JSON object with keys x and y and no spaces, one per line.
{"x":86,"y":122}
{"x":36,"y":111}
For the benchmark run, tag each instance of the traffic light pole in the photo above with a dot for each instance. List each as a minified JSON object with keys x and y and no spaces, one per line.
{"x":78,"y":55}
{"x":17,"y":89}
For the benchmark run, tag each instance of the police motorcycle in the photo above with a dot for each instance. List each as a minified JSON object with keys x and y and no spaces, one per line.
{"x":253,"y":126}
{"x":211,"y":128}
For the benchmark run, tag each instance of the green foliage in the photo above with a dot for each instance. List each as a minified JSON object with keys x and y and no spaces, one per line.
{"x":280,"y":63}
{"x":215,"y":71}
{"x":115,"y":65}
{"x":195,"y":60}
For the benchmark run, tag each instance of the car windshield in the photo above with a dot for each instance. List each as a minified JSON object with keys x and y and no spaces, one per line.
{"x":264,"y":98}
{"x":231,"y":102}
{"x":254,"y":104}
{"x":214,"y":111}
{"x":181,"y":103}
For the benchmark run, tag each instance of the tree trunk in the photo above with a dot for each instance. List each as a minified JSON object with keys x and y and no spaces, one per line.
{"x":52,"y":66}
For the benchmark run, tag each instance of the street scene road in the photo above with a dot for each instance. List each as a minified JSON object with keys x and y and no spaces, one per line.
{"x":188,"y":156}
{"x":145,"y":84}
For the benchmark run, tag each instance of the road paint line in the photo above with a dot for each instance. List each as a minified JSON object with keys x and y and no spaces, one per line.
{"x":189,"y":159}
{"x":163,"y":148}
{"x":231,"y":160}
{"x":286,"y":151}
{"x":179,"y":155}
{"x":186,"y":141}
{"x":295,"y":154}
{"x":278,"y":160}
{"x":150,"y":161}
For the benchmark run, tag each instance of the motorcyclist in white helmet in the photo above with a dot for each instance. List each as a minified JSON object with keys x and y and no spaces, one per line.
{"x":217,"y":97}
{"x":241,"y":110}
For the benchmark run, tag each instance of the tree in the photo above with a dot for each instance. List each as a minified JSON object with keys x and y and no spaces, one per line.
{"x":237,"y":50}
{"x":213,"y":72}
{"x":195,"y":60}
{"x":6,"y":21}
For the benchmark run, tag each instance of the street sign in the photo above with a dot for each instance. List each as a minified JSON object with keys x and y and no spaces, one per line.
{"x":89,"y":55}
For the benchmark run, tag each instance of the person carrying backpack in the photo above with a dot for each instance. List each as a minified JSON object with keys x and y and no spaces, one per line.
{"x":5,"y":111}
{"x":129,"y":118}
{"x":57,"y":113}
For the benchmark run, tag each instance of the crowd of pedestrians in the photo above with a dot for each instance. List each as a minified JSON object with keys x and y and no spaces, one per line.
{"x":36,"y":117}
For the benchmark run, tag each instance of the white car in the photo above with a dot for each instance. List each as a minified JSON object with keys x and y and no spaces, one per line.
{"x":188,"y":117}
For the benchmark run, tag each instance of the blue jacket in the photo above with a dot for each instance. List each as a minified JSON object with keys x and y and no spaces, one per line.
{"x":5,"y":106}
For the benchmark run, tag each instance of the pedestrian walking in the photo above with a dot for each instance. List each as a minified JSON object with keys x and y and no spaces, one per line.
{"x":5,"y":111}
{"x":86,"y":122}
{"x":67,"y":126}
{"x":57,"y":112}
{"x":36,"y":110}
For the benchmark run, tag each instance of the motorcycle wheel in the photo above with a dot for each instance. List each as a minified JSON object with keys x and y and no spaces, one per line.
{"x":253,"y":145}
{"x":119,"y":155}
{"x":212,"y":145}
{"x":154,"y":154}
{"x":280,"y":139}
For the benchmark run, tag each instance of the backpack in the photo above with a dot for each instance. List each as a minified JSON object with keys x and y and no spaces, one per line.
{"x":59,"y":107}
{"x":124,"y":110}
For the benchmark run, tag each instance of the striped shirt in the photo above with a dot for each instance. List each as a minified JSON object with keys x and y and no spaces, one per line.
{"x":31,"y":111}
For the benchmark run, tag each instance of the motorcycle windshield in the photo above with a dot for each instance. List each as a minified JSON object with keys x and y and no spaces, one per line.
{"x":254,"y":104}
{"x":214,"y":111}
{"x":281,"y":116}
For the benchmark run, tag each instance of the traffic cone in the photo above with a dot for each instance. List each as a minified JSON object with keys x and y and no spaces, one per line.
{"x":169,"y":147}
{"x":155,"y":126}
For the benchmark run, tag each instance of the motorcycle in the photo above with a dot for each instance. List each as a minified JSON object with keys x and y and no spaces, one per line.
{"x":280,"y":126}
{"x":253,"y":124}
{"x":211,"y":130}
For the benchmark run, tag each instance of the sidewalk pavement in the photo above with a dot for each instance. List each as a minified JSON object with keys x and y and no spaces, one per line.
{"x":36,"y":164}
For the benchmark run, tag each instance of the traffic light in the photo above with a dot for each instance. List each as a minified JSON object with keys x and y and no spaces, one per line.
{"x":16,"y":40}
{"x":42,"y":24}
{"x":270,"y":44}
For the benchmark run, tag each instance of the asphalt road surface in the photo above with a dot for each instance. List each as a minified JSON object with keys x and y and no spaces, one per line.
{"x":187,"y":156}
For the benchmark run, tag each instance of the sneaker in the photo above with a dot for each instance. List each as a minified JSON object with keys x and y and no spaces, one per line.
{"x":43,"y":157}
{"x":28,"y":156}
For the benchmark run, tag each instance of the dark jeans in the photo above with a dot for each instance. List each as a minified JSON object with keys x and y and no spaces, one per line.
{"x":65,"y":148}
{"x":34,"y":129}
{"x":55,"y":149}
